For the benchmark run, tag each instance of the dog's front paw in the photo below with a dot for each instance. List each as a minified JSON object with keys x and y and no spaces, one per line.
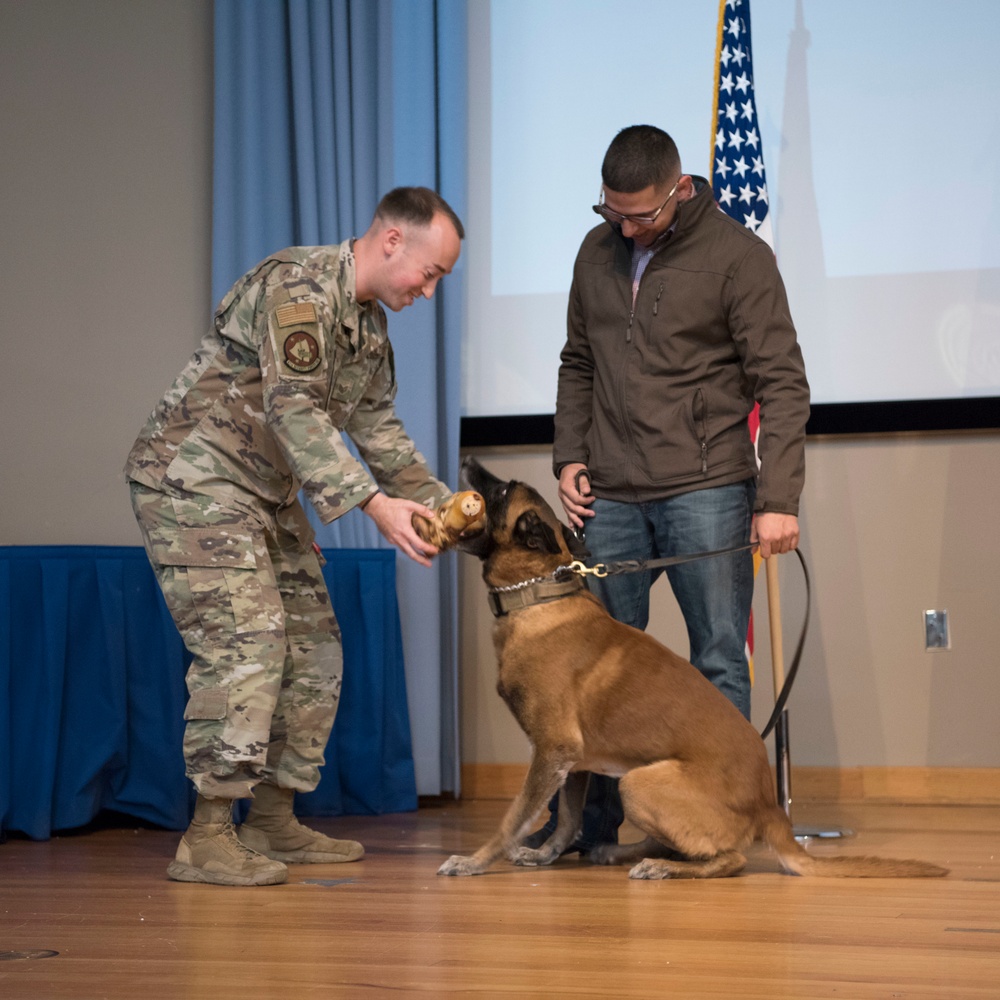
{"x":458,"y":865}
{"x":651,"y":868}
{"x":531,"y":856}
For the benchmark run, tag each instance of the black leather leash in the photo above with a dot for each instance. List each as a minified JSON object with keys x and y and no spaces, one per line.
{"x":602,"y":570}
{"x":637,"y":565}
{"x":793,"y":668}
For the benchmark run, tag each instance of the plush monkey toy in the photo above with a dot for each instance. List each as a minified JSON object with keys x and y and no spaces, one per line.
{"x":462,"y":513}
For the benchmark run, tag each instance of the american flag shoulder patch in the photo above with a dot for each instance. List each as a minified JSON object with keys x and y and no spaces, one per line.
{"x":295,"y":313}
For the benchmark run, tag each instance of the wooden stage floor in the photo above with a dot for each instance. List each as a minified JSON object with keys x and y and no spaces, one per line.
{"x":388,"y":927}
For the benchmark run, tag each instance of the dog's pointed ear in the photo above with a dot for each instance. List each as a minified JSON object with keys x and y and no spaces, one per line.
{"x":575,"y":544}
{"x":531,"y":531}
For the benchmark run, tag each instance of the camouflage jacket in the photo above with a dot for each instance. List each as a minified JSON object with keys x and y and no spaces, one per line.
{"x":293,"y":360}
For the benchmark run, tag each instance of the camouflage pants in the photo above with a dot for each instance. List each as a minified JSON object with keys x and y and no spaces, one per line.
{"x":253,"y":610}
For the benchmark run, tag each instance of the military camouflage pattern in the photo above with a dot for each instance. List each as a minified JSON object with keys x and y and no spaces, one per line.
{"x":252,"y":607}
{"x":292,"y":361}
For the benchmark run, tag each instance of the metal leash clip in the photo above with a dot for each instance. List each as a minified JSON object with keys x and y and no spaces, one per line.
{"x":600,"y":570}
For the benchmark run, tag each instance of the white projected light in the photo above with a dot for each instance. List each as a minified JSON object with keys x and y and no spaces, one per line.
{"x":882,"y":142}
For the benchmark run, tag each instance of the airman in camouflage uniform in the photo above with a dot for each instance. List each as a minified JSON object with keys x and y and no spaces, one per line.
{"x":298,"y":355}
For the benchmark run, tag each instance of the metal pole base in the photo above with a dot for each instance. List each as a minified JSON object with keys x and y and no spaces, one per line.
{"x":783,"y":763}
{"x":808,"y":832}
{"x":783,"y":768}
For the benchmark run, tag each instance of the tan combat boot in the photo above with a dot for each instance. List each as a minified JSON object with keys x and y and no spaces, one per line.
{"x":272,"y":829}
{"x":210,"y":852}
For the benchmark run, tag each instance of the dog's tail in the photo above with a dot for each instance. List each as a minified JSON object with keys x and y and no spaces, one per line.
{"x":777,"y":833}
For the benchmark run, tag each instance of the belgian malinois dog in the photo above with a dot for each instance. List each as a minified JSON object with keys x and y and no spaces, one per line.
{"x":593,"y":694}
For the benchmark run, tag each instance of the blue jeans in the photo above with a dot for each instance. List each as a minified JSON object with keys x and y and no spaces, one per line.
{"x":714,"y":596}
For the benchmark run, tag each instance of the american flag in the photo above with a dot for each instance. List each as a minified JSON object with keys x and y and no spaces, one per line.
{"x":737,"y":154}
{"x":738,"y":178}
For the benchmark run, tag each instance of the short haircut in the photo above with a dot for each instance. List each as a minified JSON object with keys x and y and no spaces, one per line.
{"x":639,"y":157}
{"x":416,"y":205}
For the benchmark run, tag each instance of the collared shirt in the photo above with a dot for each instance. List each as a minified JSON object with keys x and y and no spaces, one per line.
{"x":641,"y":256}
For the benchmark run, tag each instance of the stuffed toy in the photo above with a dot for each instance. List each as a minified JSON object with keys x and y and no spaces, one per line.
{"x":462,"y":513}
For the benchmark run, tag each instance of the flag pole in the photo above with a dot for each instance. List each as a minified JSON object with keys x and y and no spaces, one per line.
{"x":782,"y":758}
{"x":740,"y":189}
{"x":782,"y":754}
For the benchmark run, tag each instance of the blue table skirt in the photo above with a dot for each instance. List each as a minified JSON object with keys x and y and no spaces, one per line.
{"x":92,"y":692}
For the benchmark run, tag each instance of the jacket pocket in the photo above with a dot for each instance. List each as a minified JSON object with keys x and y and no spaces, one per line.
{"x":699,"y":413}
{"x":670,"y":433}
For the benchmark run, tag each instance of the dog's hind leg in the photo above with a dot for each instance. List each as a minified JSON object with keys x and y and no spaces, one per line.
{"x":629,"y":854}
{"x":726,"y":863}
{"x":677,"y":805}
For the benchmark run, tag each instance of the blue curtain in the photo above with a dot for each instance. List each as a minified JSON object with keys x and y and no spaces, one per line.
{"x":321,"y":106}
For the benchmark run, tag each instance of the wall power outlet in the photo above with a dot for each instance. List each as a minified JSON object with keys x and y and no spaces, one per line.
{"x":937,"y":634}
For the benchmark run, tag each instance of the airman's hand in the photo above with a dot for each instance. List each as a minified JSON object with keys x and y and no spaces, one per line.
{"x":392,"y":518}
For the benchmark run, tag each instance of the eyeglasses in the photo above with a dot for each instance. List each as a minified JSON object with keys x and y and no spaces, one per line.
{"x":639,"y":220}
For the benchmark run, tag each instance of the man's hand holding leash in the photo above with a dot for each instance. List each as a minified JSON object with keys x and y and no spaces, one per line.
{"x":775,"y":533}
{"x":574,"y":492}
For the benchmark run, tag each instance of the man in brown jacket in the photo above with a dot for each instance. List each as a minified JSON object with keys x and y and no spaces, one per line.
{"x":678,"y":323}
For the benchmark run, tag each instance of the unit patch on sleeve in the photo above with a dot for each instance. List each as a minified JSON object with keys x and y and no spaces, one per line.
{"x":297,"y":339}
{"x":300,"y":351}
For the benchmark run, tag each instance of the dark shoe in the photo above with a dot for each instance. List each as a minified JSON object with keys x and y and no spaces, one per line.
{"x":540,"y":837}
{"x":536,"y":839}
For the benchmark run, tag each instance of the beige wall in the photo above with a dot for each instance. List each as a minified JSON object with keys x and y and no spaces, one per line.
{"x":105,"y":186}
{"x":891,"y":527}
{"x":105,"y":202}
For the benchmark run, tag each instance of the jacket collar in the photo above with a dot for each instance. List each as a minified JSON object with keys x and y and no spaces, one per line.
{"x":689,"y":214}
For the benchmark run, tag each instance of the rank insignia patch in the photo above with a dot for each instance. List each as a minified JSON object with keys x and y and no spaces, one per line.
{"x":301,"y":352}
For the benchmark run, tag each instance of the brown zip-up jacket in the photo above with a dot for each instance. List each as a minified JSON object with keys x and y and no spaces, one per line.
{"x":655,"y":400}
